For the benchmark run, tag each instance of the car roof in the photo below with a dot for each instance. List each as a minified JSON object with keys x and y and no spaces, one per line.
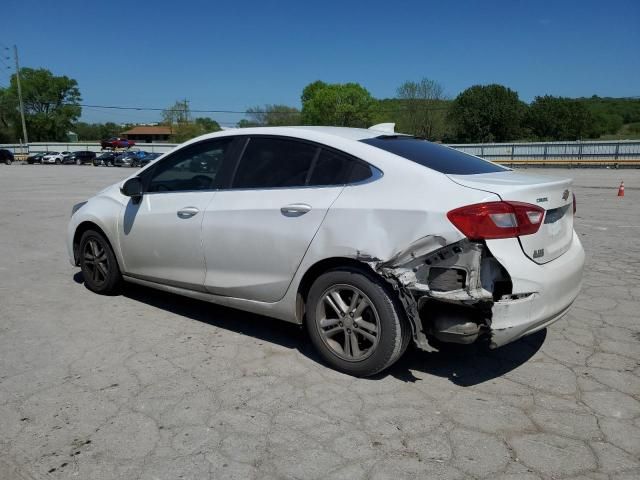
{"x":302,"y":131}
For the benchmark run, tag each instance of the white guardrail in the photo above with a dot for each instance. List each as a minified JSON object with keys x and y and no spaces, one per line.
{"x":580,"y":153}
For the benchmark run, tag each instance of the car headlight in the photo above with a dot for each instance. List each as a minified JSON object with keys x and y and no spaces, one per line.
{"x":77,"y":207}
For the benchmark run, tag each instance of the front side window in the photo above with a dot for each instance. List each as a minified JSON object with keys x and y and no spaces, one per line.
{"x":274,"y":162}
{"x":195,"y":167}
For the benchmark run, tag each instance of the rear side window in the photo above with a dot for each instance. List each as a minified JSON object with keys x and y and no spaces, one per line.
{"x":333,"y":168}
{"x":330,"y":169}
{"x":274,"y":162}
{"x":436,"y":157}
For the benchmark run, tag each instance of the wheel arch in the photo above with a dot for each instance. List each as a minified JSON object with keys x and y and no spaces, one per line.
{"x":317,"y":269}
{"x":77,"y":236}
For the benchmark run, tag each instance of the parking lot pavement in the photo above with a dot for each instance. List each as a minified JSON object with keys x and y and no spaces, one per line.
{"x":147,"y":385}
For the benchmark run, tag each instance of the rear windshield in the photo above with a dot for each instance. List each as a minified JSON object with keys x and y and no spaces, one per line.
{"x":431,"y":155}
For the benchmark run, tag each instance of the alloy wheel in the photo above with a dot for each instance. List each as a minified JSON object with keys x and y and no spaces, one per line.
{"x":348,"y":322}
{"x":96,"y":262}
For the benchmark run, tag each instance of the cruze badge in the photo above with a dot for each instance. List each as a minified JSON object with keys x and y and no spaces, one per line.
{"x":565,"y":194}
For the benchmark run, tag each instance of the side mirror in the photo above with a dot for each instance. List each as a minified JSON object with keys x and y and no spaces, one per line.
{"x":132,"y":188}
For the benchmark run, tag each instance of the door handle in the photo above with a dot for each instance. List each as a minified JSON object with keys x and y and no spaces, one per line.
{"x":187,"y":212}
{"x":295,"y":209}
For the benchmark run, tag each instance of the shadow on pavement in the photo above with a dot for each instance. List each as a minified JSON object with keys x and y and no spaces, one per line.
{"x":463,"y":365}
{"x":467,"y":365}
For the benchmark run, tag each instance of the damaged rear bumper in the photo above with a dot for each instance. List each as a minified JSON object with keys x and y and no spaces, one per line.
{"x":553,"y":287}
{"x":470,"y":290}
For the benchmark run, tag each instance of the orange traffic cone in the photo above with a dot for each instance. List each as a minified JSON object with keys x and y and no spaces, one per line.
{"x":621,"y":189}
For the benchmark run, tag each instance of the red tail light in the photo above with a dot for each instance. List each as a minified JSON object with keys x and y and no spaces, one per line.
{"x":492,"y":220}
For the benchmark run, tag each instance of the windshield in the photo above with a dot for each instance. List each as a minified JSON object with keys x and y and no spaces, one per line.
{"x":431,"y":155}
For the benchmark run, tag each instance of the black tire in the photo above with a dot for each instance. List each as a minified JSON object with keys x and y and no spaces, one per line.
{"x":393,"y":333}
{"x":7,"y":161}
{"x":98,"y":264}
{"x":58,"y":162}
{"x":78,"y":161}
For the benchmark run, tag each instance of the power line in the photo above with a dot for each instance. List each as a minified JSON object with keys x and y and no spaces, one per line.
{"x":243,"y":112}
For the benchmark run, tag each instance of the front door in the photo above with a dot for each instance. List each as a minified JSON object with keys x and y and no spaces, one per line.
{"x":160,"y":236}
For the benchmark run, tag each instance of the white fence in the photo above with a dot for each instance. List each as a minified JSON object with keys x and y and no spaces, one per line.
{"x":621,"y":151}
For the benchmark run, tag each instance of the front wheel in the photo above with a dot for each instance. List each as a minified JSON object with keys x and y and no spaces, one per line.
{"x":7,"y":161}
{"x":98,"y":264}
{"x":355,"y":322}
{"x":58,"y":162}
{"x":78,"y":161}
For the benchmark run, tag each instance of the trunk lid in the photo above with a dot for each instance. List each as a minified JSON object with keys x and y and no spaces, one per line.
{"x":554,"y":195}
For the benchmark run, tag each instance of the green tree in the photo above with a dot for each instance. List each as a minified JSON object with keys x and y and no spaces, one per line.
{"x":558,"y":118}
{"x":244,"y":123}
{"x":423,"y":112}
{"x":346,"y":105}
{"x":178,"y":117}
{"x":51,"y":105}
{"x":7,"y":116}
{"x":185,"y":131}
{"x":310,"y":90}
{"x":177,"y":113}
{"x":207,"y":125}
{"x":97,"y":131}
{"x":274,"y":115}
{"x":487,"y":113}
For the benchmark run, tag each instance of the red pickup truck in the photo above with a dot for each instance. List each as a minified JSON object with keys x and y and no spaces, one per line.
{"x":116,"y":142}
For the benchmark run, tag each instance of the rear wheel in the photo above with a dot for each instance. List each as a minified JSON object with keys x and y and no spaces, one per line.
{"x":7,"y":161}
{"x":98,"y":263}
{"x":355,"y":322}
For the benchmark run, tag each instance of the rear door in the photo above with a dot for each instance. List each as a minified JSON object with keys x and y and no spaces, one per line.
{"x":256,"y":233}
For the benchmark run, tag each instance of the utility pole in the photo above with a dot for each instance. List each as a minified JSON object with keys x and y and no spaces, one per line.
{"x":24,"y":125}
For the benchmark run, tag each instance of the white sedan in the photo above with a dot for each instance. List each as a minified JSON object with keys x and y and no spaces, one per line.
{"x":55,"y":157}
{"x":369,"y":238}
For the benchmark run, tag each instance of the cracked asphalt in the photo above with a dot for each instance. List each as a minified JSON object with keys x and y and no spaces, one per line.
{"x":147,"y":385}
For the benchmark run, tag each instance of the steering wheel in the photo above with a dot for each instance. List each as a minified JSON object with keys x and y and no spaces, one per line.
{"x":201,"y":181}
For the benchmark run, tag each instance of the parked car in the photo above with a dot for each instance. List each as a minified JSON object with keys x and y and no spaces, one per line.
{"x":141,"y":162}
{"x":369,"y":238}
{"x":6,"y":156}
{"x":107,"y":159}
{"x":126,"y":159}
{"x":36,"y":157}
{"x":55,"y":157}
{"x":116,"y":142}
{"x":80,"y":157}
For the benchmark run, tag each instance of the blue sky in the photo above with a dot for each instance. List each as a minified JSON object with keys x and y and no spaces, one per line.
{"x":236,"y":54}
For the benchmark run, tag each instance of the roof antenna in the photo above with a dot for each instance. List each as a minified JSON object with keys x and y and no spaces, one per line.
{"x":384,"y":127}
